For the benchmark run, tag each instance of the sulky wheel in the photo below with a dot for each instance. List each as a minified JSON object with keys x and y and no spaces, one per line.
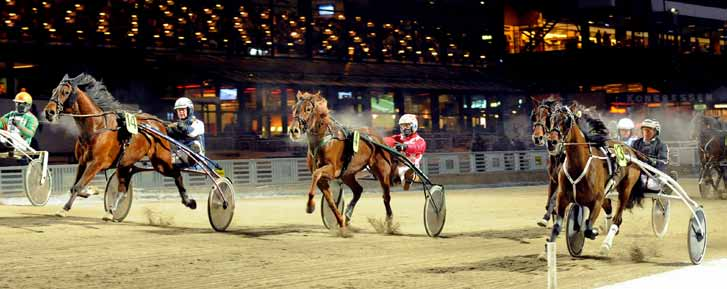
{"x":574,"y":231}
{"x":36,"y":188}
{"x":660,"y":212}
{"x":221,"y":204}
{"x":697,"y":236}
{"x":116,"y":203}
{"x":327,"y":215}
{"x":435,"y":211}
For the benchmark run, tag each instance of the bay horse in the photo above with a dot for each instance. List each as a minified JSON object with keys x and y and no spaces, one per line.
{"x":585,"y":174}
{"x":328,"y":158}
{"x":100,"y":145}
{"x":711,"y":140}
{"x":540,"y":121}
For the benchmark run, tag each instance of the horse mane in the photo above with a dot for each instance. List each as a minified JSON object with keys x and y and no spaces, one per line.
{"x":98,"y":92}
{"x":590,"y":123}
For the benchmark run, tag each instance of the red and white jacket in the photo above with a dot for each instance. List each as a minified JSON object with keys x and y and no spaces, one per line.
{"x":415,"y":146}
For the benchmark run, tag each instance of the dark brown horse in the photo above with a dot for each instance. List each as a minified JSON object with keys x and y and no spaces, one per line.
{"x":101,"y":145}
{"x":540,"y":121}
{"x":712,"y":151}
{"x":327,"y":155}
{"x":585,"y":173}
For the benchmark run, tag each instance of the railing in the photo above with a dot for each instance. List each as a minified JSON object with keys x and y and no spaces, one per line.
{"x":281,"y":171}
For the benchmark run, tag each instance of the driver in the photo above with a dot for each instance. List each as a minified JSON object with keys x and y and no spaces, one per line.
{"x":656,"y":151}
{"x":625,"y":128}
{"x":410,"y":144}
{"x":21,"y":121}
{"x":189,"y":131}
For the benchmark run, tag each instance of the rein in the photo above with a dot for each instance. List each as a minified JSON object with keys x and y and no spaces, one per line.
{"x":73,"y":115}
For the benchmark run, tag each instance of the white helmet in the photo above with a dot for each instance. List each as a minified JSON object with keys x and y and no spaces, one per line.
{"x":410,"y":119}
{"x":652,"y":123}
{"x":184,"y":102}
{"x":625,"y":123}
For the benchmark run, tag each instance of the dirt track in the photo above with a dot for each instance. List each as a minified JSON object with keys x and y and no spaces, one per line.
{"x":490,"y":241}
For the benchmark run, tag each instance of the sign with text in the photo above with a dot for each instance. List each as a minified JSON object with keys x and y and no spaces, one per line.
{"x":663,"y":97}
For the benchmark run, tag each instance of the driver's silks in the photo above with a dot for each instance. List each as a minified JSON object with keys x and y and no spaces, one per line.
{"x":620,"y":157}
{"x":355,"y":141}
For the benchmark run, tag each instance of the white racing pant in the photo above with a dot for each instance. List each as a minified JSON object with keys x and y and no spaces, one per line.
{"x":652,"y":184}
{"x":402,"y":169}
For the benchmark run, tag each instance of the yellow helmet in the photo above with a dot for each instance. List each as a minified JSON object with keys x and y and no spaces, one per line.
{"x":23,"y":97}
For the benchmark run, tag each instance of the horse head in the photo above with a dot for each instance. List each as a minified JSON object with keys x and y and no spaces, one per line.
{"x":309,"y":112}
{"x":561,"y":121}
{"x":63,"y":99}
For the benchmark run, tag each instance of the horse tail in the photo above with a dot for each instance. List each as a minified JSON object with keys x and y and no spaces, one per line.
{"x":636,"y":197}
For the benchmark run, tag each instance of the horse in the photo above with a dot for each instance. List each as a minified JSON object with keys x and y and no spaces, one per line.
{"x":328,"y":158}
{"x":540,"y":121}
{"x":712,"y":148}
{"x":584,"y":176}
{"x":102,"y":143}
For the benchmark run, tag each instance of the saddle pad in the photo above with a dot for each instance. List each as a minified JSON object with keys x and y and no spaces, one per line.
{"x":620,"y":157}
{"x":355,"y":141}
{"x":130,"y":120}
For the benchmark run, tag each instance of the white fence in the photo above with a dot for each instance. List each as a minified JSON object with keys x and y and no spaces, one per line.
{"x":293,"y":170}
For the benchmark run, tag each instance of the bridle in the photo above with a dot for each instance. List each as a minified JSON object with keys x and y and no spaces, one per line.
{"x":303,"y":123}
{"x":73,"y":95}
{"x":536,"y":119}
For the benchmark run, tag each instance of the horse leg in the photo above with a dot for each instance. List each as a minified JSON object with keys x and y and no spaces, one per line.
{"x":350,"y":181}
{"x":562,"y":204}
{"x":320,"y":180}
{"x":624,"y":188}
{"x":123,"y":174}
{"x":166,"y":168}
{"x":382,"y":171}
{"x":595,"y":208}
{"x":89,"y":172}
{"x":608,"y":209}
{"x":549,"y":206}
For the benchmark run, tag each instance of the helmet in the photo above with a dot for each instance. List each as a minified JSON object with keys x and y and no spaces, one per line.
{"x":23,"y":101}
{"x":625,"y":123}
{"x":652,"y":124}
{"x":410,"y":119}
{"x":184,"y":102}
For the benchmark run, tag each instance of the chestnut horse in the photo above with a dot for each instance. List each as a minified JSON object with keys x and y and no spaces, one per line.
{"x":100,"y":147}
{"x":585,"y":174}
{"x":327,"y":159}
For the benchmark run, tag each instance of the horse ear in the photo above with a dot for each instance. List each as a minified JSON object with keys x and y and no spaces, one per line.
{"x":65,"y":77}
{"x":536,"y":102}
{"x":573,"y":106}
{"x":299,"y":96}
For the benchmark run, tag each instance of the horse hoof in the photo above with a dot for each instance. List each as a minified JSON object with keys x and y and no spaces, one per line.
{"x":605,"y":249}
{"x":108,"y":217}
{"x":543,"y":223}
{"x":83,"y":194}
{"x":311,"y":207}
{"x":192,"y":204}
{"x":591,"y":234}
{"x":61,"y":213}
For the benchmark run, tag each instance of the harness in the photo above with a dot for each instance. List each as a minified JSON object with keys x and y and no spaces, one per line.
{"x":586,"y":168}
{"x":350,"y":139}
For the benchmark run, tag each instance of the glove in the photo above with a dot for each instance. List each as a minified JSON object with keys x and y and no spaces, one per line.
{"x":183,"y":127}
{"x":400,"y":147}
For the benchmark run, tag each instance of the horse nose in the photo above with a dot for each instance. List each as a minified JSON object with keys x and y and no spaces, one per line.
{"x":49,"y":114}
{"x":295,"y":130}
